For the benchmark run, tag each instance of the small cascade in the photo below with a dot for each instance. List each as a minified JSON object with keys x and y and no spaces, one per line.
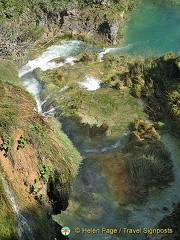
{"x":44,"y":61}
{"x":90,"y":83}
{"x":114,"y":50}
{"x":51,"y":112}
{"x":34,"y":87}
{"x":23,"y":229}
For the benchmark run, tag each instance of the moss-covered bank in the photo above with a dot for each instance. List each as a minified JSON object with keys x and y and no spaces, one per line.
{"x":37,"y":159}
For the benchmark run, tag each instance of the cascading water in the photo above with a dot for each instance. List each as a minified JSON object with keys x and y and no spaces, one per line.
{"x":34,"y":87}
{"x":67,"y":49}
{"x":130,"y":216}
{"x":23,"y":229}
{"x":43,"y":62}
{"x":111,"y":214}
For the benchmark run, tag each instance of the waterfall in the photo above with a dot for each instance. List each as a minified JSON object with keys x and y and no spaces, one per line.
{"x":23,"y":229}
{"x":126,"y":216}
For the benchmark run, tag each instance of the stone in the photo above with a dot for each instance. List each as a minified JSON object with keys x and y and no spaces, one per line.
{"x":106,"y":3}
{"x":114,"y":27}
{"x":119,"y":85}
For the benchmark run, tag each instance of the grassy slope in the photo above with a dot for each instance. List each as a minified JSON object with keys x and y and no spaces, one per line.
{"x":28,"y":141}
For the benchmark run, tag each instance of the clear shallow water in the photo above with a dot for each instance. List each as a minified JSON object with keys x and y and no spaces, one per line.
{"x":153,"y":28}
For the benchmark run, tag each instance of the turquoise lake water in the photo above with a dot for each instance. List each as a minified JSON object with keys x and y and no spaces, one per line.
{"x":153,"y":28}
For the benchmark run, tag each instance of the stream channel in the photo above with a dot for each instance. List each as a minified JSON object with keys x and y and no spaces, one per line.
{"x":154,"y":29}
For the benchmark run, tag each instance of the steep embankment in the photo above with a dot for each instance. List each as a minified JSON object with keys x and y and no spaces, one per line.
{"x":37,"y":159}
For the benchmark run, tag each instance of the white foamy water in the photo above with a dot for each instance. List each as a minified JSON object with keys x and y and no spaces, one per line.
{"x":52,"y":65}
{"x":34,"y":87}
{"x":50,"y":112}
{"x":104,"y":149}
{"x":90,"y":83}
{"x":113,"y":146}
{"x":120,"y":143}
{"x":101,"y":54}
{"x":114,"y":50}
{"x":43,"y":61}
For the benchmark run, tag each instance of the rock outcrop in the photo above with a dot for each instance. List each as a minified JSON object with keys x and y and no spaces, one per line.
{"x":90,"y":22}
{"x":98,"y":23}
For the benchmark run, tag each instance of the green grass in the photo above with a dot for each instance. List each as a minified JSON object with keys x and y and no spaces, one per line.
{"x":55,"y":146}
{"x":8,"y":72}
{"x":70,"y":154}
{"x":8,"y":116}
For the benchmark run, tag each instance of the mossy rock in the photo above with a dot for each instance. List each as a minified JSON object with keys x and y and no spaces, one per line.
{"x":136,"y":90}
{"x":138,"y":80}
{"x":169,"y":55}
{"x":89,"y":57}
{"x":145,"y":131}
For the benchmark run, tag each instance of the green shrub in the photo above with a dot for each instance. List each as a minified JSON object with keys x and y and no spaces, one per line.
{"x":6,"y":145}
{"x":147,"y":165}
{"x":22,"y":142}
{"x":45,"y":171}
{"x":35,"y":188}
{"x":38,"y":128}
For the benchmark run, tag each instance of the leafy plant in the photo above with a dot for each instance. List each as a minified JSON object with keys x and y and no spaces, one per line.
{"x":22,"y":142}
{"x":44,"y":171}
{"x":6,"y":145}
{"x":38,"y":128}
{"x":35,"y":188}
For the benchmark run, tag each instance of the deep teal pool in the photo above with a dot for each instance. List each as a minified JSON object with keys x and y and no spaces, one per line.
{"x":153,"y":29}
